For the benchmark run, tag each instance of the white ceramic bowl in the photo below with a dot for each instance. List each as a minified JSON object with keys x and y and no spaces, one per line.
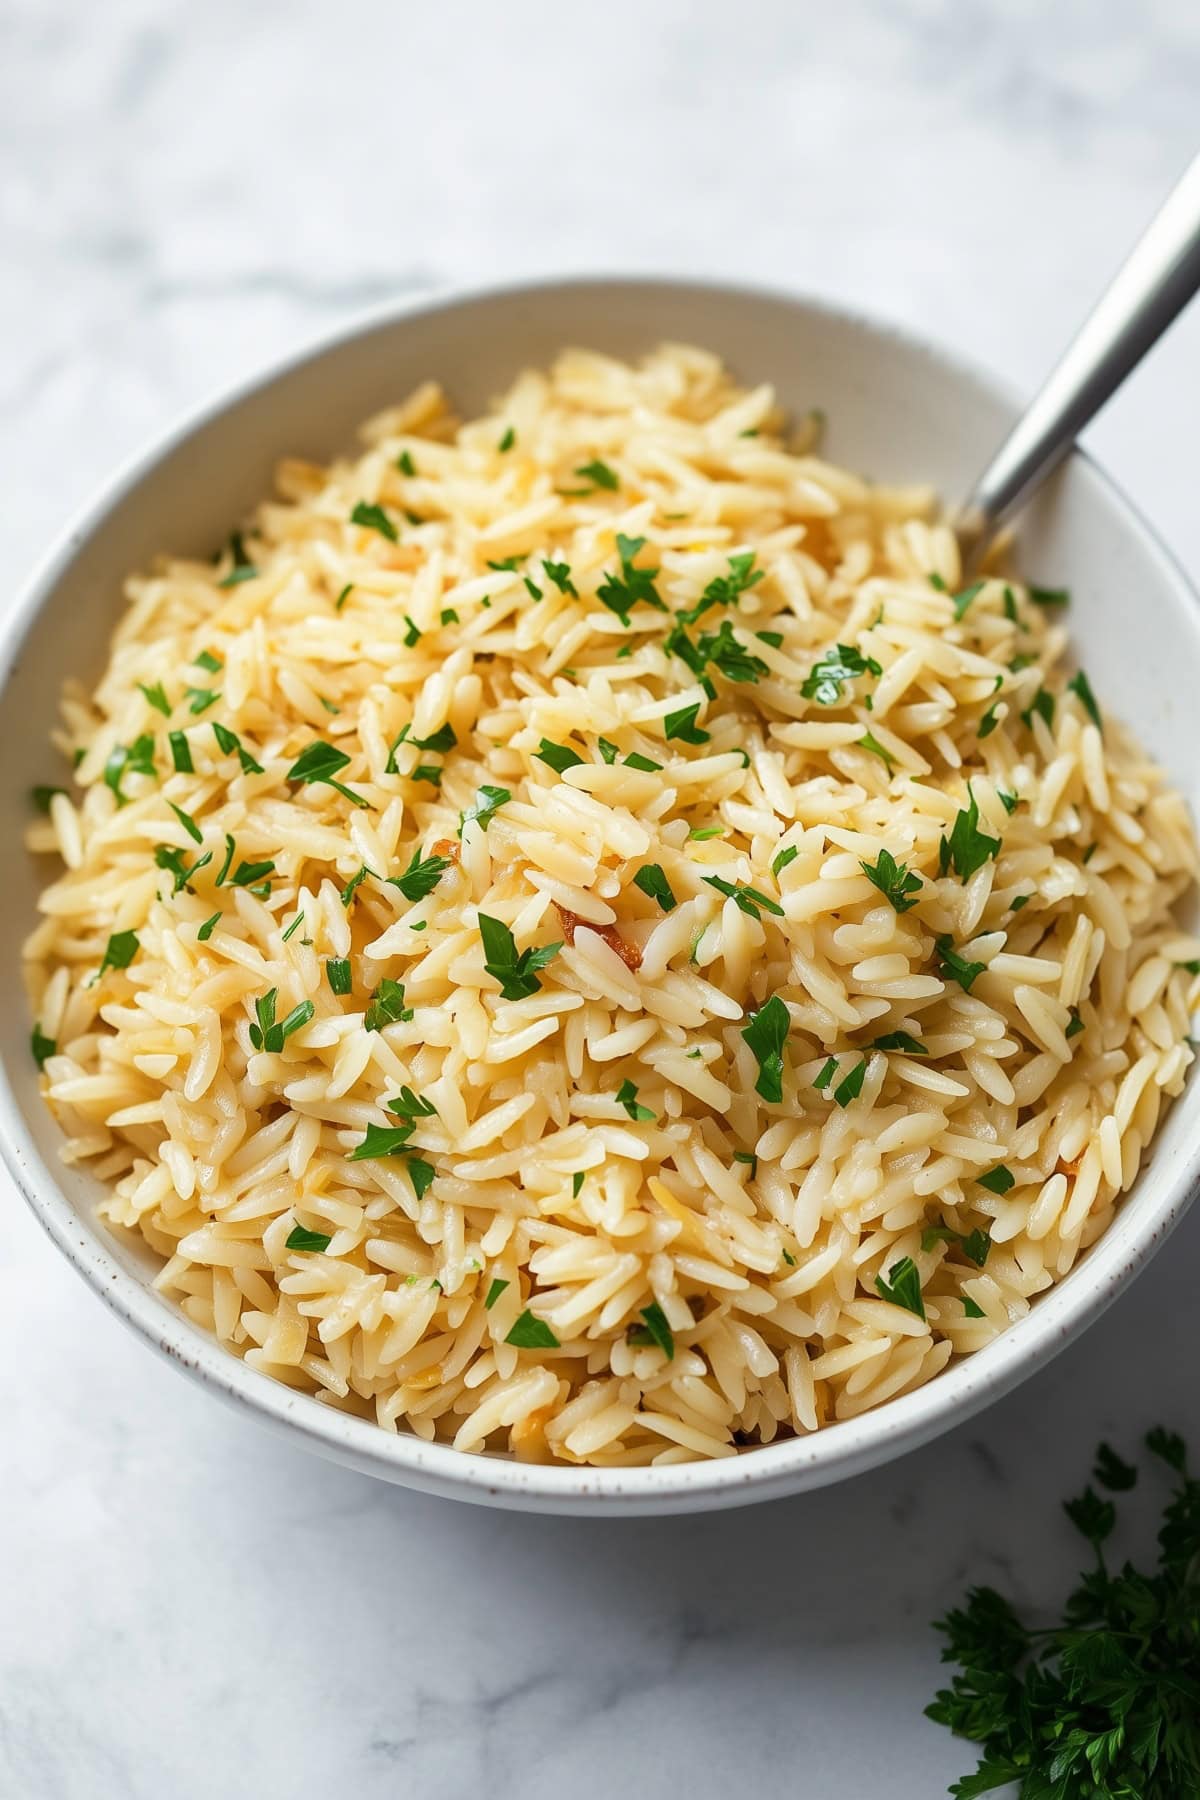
{"x":896,"y":409}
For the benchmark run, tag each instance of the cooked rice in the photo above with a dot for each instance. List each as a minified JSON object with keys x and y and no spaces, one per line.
{"x":757,"y":1235}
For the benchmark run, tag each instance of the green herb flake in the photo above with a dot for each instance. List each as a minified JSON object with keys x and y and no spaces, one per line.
{"x":903,"y":1286}
{"x":129,"y":759}
{"x":449,"y":616}
{"x":531,"y":1333}
{"x":635,"y":760}
{"x":294,"y":927}
{"x":405,"y":463}
{"x":730,"y":656}
{"x":559,"y":757}
{"x":1074,"y":1025}
{"x":269,"y":1035}
{"x":972,"y":1309}
{"x":421,"y":876}
{"x":319,"y":764}
{"x":955,"y":967}
{"x":826,"y":1075}
{"x":1010,"y":606}
{"x":999,"y":1180}
{"x":872,"y":744}
{"x":41,"y":1046}
{"x":766,"y":1034}
{"x":975,"y":1245}
{"x":421,"y":1174}
{"x":42,"y":796}
{"x":516,"y":973}
{"x":381,"y":1141}
{"x":301,"y":1238}
{"x":386,"y":1006}
{"x":506,"y":443}
{"x":682,"y":725}
{"x":622,"y":593}
{"x":989,"y":721}
{"x":339,"y":974}
{"x":577,"y":1181}
{"x":186,"y":820}
{"x":627,"y":1097}
{"x":895,"y":881}
{"x":1080,"y":686}
{"x":826,"y":678}
{"x":231,"y":745}
{"x":901,"y":1040}
{"x":700,"y":834}
{"x":654,"y":884}
{"x":967,"y":848}
{"x":851,"y":1087}
{"x":750,"y":900}
{"x":181,"y":754}
{"x":487,"y":804}
{"x":120,"y":951}
{"x":560,"y":574}
{"x":343,"y":596}
{"x":963,"y":599}
{"x":373,"y":518}
{"x":1042,"y":705}
{"x":494,"y":1292}
{"x":156,"y":697}
{"x":352,"y":886}
{"x":1044,"y":596}
{"x":1009,"y":802}
{"x":607,"y":749}
{"x":780,"y":862}
{"x":599,"y":475}
{"x":200,"y":699}
{"x":655,"y":1331}
{"x":411,"y":1106}
{"x":205,"y":931}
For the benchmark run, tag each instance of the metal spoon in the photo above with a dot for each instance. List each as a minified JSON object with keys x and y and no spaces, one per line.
{"x":1153,"y":285}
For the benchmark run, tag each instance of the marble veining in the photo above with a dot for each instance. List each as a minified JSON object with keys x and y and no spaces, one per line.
{"x":188,"y":1607}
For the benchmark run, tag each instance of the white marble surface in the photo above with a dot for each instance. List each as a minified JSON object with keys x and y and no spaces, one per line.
{"x":188,"y":1608}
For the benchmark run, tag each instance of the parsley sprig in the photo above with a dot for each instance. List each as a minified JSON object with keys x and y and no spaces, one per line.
{"x":1105,"y":1705}
{"x":826,"y":679}
{"x":621,"y":593}
{"x":516,"y":972}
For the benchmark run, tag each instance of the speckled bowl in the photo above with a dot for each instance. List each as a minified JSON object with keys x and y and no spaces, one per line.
{"x":897,"y":409}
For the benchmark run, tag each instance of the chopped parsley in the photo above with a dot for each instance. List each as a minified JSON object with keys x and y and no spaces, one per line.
{"x":171,"y":859}
{"x":729,"y":655}
{"x":766,"y":1034}
{"x":955,"y":967}
{"x":504,"y":565}
{"x":725,"y":590}
{"x":181,"y":753}
{"x":231,"y":745}
{"x":343,"y":596}
{"x":386,"y":1005}
{"x":421,"y":1174}
{"x":903,"y":1286}
{"x":825,"y":679}
{"x":266,"y":1033}
{"x":405,"y":463}
{"x":780,"y":862}
{"x":42,"y":796}
{"x":300,"y":1238}
{"x":421,"y":876}
{"x":1043,"y":705}
{"x":577,"y":1181}
{"x":352,"y":886}
{"x":682,"y":725}
{"x":607,"y":749}
{"x":827,"y":1072}
{"x":129,"y":759}
{"x":989,"y":721}
{"x":901,"y":1040}
{"x":895,"y":881}
{"x":966,"y":848}
{"x":516,"y":973}
{"x":374,"y":519}
{"x":494,"y":1292}
{"x":186,"y":820}
{"x":412,"y":634}
{"x":972,"y":1309}
{"x":449,"y":616}
{"x":974,"y":1245}
{"x":200,"y":699}
{"x":294,"y":927}
{"x":749,"y":899}
{"x":850,"y":1087}
{"x":320,"y":764}
{"x":700,"y":834}
{"x":635,"y":760}
{"x":205,"y":931}
{"x":559,"y":757}
{"x":1044,"y":596}
{"x":868,"y":742}
{"x":243,"y":569}
{"x":560,"y":574}
{"x":1082,"y":688}
{"x":42,"y":1046}
{"x":531,"y":1333}
{"x":599,"y":475}
{"x":120,"y":951}
{"x":381,"y":1141}
{"x":339,"y":974}
{"x":655,"y":1331}
{"x":487,"y":804}
{"x":411,"y":1106}
{"x":157,"y":698}
{"x":622,"y":593}
{"x":655,"y":885}
{"x":627,"y":1097}
{"x":999,"y":1180}
{"x":1074,"y":1025}
{"x":963,"y":599}
{"x":506,"y":443}
{"x":1009,"y":802}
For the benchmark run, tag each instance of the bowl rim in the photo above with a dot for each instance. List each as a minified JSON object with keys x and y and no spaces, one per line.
{"x":837,"y":1452}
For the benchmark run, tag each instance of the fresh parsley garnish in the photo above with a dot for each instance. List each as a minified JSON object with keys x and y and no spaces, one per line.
{"x":700,"y":834}
{"x":825,"y":1075}
{"x":607,"y":749}
{"x":826,"y":678}
{"x":766,"y":1034}
{"x":729,"y":655}
{"x":850,"y":1087}
{"x":999,"y":1180}
{"x":655,"y":1331}
{"x":1105,"y":1705}
{"x":386,"y":1005}
{"x":599,"y":475}
{"x":1043,"y":705}
{"x":421,"y":876}
{"x":627,"y":1097}
{"x":682,"y":725}
{"x":268,"y":1035}
{"x":410,"y":1106}
{"x":901,"y":1040}
{"x":129,"y":759}
{"x":381,"y":1141}
{"x":507,"y":442}
{"x":748,"y":899}
{"x":903,"y":1286}
{"x":301,"y":1238}
{"x":895,"y":881}
{"x":955,"y":967}
{"x":205,"y":931}
{"x":242,"y":568}
{"x":339,"y":974}
{"x":966,"y":848}
{"x":974,"y":1245}
{"x":166,"y":856}
{"x":560,"y":574}
{"x":963,"y":599}
{"x":42,"y":796}
{"x":42,"y":1046}
{"x":320,"y":764}
{"x":621,"y":593}
{"x":120,"y":951}
{"x":635,"y":760}
{"x":559,"y":757}
{"x":516,"y":973}
{"x":231,"y":745}
{"x":531,"y":1333}
{"x":421,"y":1174}
{"x":1044,"y":596}
{"x":494,"y":1292}
{"x":1082,"y":687}
{"x":374,"y":519}
{"x":871,"y":743}
{"x":655,"y":885}
{"x":780,"y":862}
{"x":156,"y":697}
{"x":181,"y":754}
{"x":487,"y":804}
{"x":343,"y":596}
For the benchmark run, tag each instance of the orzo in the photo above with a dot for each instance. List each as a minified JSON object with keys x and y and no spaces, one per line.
{"x":580,"y":935}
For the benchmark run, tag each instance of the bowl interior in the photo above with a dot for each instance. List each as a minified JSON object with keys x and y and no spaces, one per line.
{"x":896,"y":410}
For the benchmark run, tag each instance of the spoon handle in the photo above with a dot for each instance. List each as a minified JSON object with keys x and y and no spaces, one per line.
{"x":1153,"y":285}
